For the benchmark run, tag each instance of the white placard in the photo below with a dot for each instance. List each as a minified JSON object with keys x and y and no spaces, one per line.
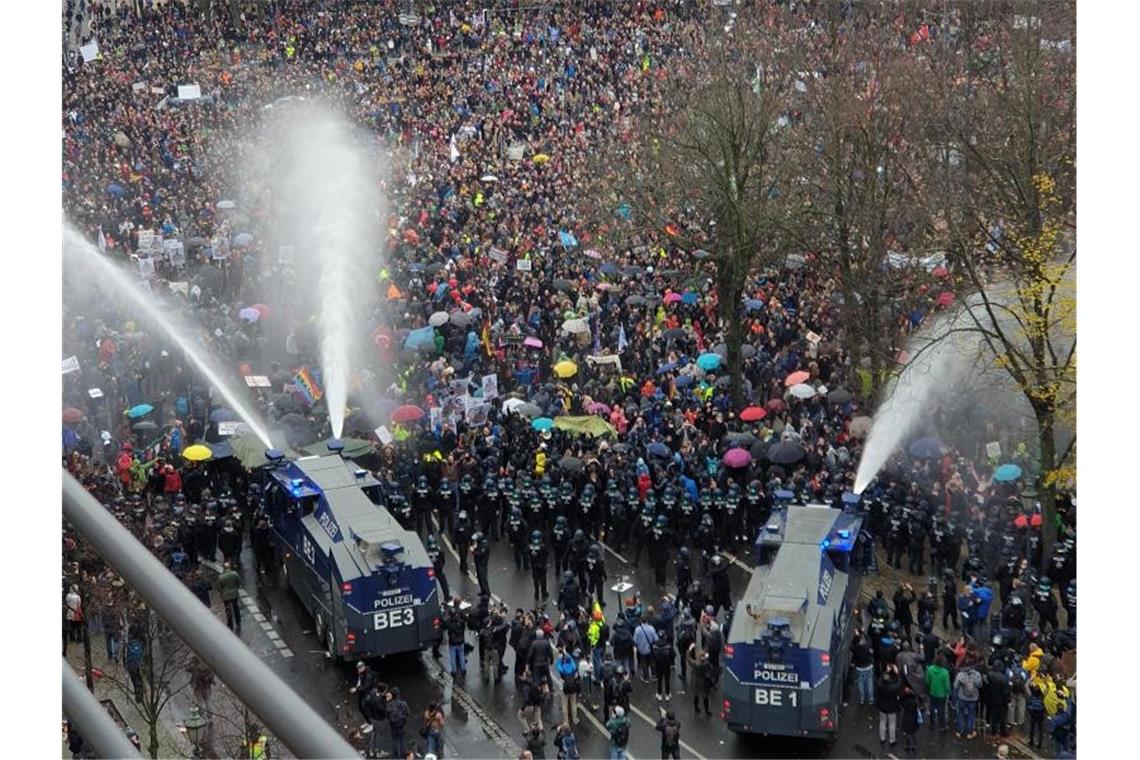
{"x":229,"y":427}
{"x":95,"y":392}
{"x":385,"y":435}
{"x":496,"y":254}
{"x":435,"y":415}
{"x":189,"y":92}
{"x":146,"y":240}
{"x":70,"y":364}
{"x":138,"y":87}
{"x":813,"y":338}
{"x":490,"y":385}
{"x":257,"y":381}
{"x":146,"y":267}
{"x":993,"y":449}
{"x":179,"y":287}
{"x":158,"y":90}
{"x":523,"y":265}
{"x":476,"y":414}
{"x":90,"y":51}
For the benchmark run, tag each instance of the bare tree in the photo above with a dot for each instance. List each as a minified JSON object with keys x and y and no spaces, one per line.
{"x":1009,"y":213}
{"x":712,"y":168}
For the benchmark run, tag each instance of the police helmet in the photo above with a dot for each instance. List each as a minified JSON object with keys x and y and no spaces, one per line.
{"x":595,"y":550}
{"x":536,"y":536}
{"x":431,"y":542}
{"x":685,"y":552}
{"x":478,"y":537}
{"x":579,"y":535}
{"x":560,"y":521}
{"x":568,"y":576}
{"x":717,"y":560}
{"x":516,"y":513}
{"x":462,"y":515}
{"x":661,"y":522}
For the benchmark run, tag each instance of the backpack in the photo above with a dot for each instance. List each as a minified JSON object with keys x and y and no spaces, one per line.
{"x":398,"y":712}
{"x":672,"y":732}
{"x":134,"y":654}
{"x":620,"y":735}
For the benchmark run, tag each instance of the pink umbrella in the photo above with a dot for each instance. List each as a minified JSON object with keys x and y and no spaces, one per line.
{"x":775,"y":405}
{"x":406,"y":413}
{"x":597,"y":407}
{"x":945,"y":298}
{"x":262,"y":309}
{"x":940,"y":272}
{"x":796,"y":378}
{"x":533,"y":343}
{"x":672,"y":297}
{"x":593,"y":254}
{"x":737,"y":458}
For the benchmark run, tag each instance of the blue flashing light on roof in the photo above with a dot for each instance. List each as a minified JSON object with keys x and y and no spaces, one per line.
{"x":845,"y":533}
{"x":274,"y":455}
{"x":335,"y":445}
{"x":825,"y":544}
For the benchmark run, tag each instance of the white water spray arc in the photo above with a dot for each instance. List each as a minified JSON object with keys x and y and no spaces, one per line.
{"x":101,"y":269}
{"x":332,"y":208}
{"x":940,"y":357}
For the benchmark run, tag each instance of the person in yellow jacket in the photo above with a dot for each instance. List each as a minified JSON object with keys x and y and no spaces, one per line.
{"x":540,"y":461}
{"x":259,"y":747}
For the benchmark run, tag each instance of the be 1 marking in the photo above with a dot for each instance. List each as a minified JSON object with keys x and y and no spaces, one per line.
{"x":775,"y":697}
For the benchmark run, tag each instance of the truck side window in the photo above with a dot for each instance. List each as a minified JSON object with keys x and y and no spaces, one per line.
{"x":308,"y":504}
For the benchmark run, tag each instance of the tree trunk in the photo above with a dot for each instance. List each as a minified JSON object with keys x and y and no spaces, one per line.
{"x":735,"y":338}
{"x":1046,"y":493}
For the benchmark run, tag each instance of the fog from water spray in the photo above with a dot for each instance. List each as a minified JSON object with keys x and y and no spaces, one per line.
{"x":82,"y":254}
{"x":940,"y":359}
{"x":327,"y":208}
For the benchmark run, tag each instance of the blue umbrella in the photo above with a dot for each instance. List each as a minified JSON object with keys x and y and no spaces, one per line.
{"x":542,"y":423}
{"x":222,"y":415}
{"x":684,"y":381}
{"x":667,"y":367}
{"x":926,"y":448}
{"x":1007,"y":473}
{"x":243,"y":238}
{"x":421,"y":338}
{"x":608,"y":268}
{"x":708,"y":361}
{"x":139,"y":411}
{"x":753,"y":304}
{"x":415,"y":266}
{"x":690,"y":297}
{"x":660,"y":450}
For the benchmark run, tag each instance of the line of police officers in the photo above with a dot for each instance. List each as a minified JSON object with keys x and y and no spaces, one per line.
{"x":563,"y":525}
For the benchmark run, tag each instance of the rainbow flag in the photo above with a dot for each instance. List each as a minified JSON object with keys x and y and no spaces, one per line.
{"x":307,"y":385}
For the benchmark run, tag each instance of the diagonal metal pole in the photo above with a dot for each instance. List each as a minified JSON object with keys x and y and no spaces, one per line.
{"x":94,"y":723}
{"x":298,"y":727}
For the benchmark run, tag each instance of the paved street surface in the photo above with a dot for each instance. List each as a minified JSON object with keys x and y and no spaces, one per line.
{"x":482,"y":719}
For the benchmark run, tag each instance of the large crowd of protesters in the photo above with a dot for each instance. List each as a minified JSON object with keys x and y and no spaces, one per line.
{"x":488,"y":119}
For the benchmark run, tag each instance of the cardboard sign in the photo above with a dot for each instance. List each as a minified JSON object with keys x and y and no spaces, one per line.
{"x":993,"y":450}
{"x":490,"y":385}
{"x":495,"y":254}
{"x":146,"y":267}
{"x":90,"y":51}
{"x":523,"y":265}
{"x":174,"y":251}
{"x":476,"y":414}
{"x":70,"y":364}
{"x":257,"y":381}
{"x":95,"y":392}
{"x":229,"y":427}
{"x":813,"y":338}
{"x":179,"y":287}
{"x":189,"y":92}
{"x":158,"y":90}
{"x":138,"y":87}
{"x":384,"y":435}
{"x":146,"y":240}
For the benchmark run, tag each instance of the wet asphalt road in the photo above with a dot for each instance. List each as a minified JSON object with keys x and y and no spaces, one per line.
{"x":482,"y":717}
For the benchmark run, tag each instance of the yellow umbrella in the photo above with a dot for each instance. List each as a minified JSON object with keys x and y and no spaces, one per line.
{"x":197,"y":453}
{"x":565,"y":368}
{"x":540,"y":158}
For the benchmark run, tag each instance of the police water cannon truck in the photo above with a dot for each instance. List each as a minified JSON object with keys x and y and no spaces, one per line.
{"x":787,"y":651}
{"x":367,"y":581}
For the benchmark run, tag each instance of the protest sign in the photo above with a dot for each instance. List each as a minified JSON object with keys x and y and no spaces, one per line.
{"x":146,"y":267}
{"x":189,"y":92}
{"x":90,"y":51}
{"x":229,"y":427}
{"x":993,"y":450}
{"x":522,"y":265}
{"x":95,"y":392}
{"x":476,"y":414}
{"x":257,"y":381}
{"x":490,"y":385}
{"x":179,"y":287}
{"x":70,"y":364}
{"x":384,"y":435}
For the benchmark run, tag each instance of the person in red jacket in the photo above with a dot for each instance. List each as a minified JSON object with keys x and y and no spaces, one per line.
{"x":173,"y":483}
{"x":123,"y":464}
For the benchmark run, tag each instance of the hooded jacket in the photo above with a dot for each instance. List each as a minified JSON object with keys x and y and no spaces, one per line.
{"x":967,"y":685}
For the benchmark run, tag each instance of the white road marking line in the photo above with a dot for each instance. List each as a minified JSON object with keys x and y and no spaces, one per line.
{"x":286,"y":653}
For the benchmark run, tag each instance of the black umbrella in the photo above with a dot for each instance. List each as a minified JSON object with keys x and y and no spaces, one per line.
{"x":620,"y":448}
{"x":744,"y":440}
{"x":758,"y":449}
{"x":839,"y":396}
{"x":572,"y":464}
{"x":786,"y":452}
{"x":675,"y":333}
{"x":433,"y":268}
{"x":748,"y":350}
{"x":529,"y":410}
{"x":565,"y":285}
{"x":144,"y":426}
{"x":633,"y":271}
{"x":635,"y":300}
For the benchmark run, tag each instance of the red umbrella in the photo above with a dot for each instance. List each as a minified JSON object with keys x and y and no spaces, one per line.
{"x":71,"y":415}
{"x":753,"y":413}
{"x":940,"y":272}
{"x":796,"y":378}
{"x":945,"y":298}
{"x":775,"y":405}
{"x":261,"y":309}
{"x":407,"y":413}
